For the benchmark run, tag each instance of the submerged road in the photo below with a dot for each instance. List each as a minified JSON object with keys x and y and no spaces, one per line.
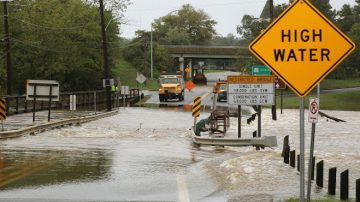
{"x":144,"y":154}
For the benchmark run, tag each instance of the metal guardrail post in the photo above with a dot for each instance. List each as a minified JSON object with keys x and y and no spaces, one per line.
{"x":357,"y":190}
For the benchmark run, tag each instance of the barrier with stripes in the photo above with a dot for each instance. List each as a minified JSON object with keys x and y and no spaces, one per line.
{"x":2,"y":109}
{"x":196,"y":107}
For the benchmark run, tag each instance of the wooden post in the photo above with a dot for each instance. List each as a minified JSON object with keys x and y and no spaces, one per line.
{"x":332,"y":181}
{"x":298,"y":162}
{"x":287,"y":156}
{"x":239,"y":120}
{"x":292,"y":158}
{"x":34,"y":102}
{"x":357,"y":190}
{"x":286,"y":149}
{"x":344,"y":185}
{"x":320,"y":174}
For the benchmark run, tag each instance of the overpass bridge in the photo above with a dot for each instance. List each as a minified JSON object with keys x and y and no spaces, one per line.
{"x":195,"y":57}
{"x":208,"y":52}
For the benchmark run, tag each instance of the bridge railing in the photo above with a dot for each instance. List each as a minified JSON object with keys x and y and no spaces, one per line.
{"x":85,"y":100}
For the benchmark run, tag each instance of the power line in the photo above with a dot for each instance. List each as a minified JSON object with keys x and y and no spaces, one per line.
{"x":48,"y":27}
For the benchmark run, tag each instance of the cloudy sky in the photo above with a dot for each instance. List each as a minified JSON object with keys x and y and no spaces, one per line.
{"x":228,"y":13}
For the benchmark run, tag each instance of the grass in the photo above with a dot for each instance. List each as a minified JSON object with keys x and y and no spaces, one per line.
{"x":348,"y":101}
{"x":128,"y":74}
{"x":214,"y":70}
{"x":328,"y":84}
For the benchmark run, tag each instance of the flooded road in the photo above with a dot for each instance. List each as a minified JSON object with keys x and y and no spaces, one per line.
{"x":146,"y":154}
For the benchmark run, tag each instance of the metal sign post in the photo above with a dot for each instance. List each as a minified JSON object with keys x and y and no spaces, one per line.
{"x":34,"y":102}
{"x":124,"y":91}
{"x":50,"y":96}
{"x":314,"y":108}
{"x":2,"y":112}
{"x":239,"y":121}
{"x":42,"y":90}
{"x":196,"y":110}
{"x":302,"y":53}
{"x":302,"y":151}
{"x":140,"y":79}
{"x":95,"y":102}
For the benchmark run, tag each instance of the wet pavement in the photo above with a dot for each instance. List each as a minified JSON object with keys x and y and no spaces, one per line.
{"x":144,"y":154}
{"x":23,"y":120}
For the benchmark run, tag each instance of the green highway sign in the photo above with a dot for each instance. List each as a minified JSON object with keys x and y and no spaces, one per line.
{"x":260,"y":70}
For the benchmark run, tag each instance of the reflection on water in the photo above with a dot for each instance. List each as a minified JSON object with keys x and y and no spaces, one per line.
{"x":140,"y":154}
{"x":35,"y":168}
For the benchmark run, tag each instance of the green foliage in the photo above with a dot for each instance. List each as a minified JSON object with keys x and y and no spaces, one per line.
{"x":59,"y":40}
{"x":347,"y":19}
{"x":187,"y":26}
{"x":229,"y":40}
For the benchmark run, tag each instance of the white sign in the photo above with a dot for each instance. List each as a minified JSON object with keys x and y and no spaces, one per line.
{"x":141,"y":78}
{"x":251,"y":90}
{"x":41,"y":89}
{"x":314,"y":108}
{"x":124,"y":90}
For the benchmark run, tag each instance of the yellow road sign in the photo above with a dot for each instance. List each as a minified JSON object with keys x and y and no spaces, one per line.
{"x":2,"y":109}
{"x":196,"y":107}
{"x":302,"y":46}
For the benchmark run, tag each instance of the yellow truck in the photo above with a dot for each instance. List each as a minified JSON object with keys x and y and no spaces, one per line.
{"x":171,"y":87}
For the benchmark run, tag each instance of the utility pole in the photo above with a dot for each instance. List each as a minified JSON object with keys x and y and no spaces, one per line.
{"x":271,"y":10}
{"x":7,"y":49}
{"x":151,"y":54}
{"x":105,"y":54}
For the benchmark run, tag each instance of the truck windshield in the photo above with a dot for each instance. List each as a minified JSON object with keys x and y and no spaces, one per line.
{"x":169,"y":80}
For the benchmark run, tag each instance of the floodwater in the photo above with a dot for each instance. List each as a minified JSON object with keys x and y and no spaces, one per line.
{"x":146,"y":154}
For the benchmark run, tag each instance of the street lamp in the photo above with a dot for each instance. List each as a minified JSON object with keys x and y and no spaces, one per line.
{"x":151,"y":47}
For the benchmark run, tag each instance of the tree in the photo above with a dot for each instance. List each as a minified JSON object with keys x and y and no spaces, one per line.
{"x":138,"y":54}
{"x":59,"y":40}
{"x":325,"y":7}
{"x":251,"y":27}
{"x":185,"y":26}
{"x":229,"y":40}
{"x":346,"y":18}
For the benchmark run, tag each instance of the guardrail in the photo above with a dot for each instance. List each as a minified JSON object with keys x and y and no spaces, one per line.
{"x":84,"y":100}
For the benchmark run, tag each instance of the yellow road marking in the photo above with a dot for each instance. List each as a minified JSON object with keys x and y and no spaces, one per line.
{"x":22,"y":173}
